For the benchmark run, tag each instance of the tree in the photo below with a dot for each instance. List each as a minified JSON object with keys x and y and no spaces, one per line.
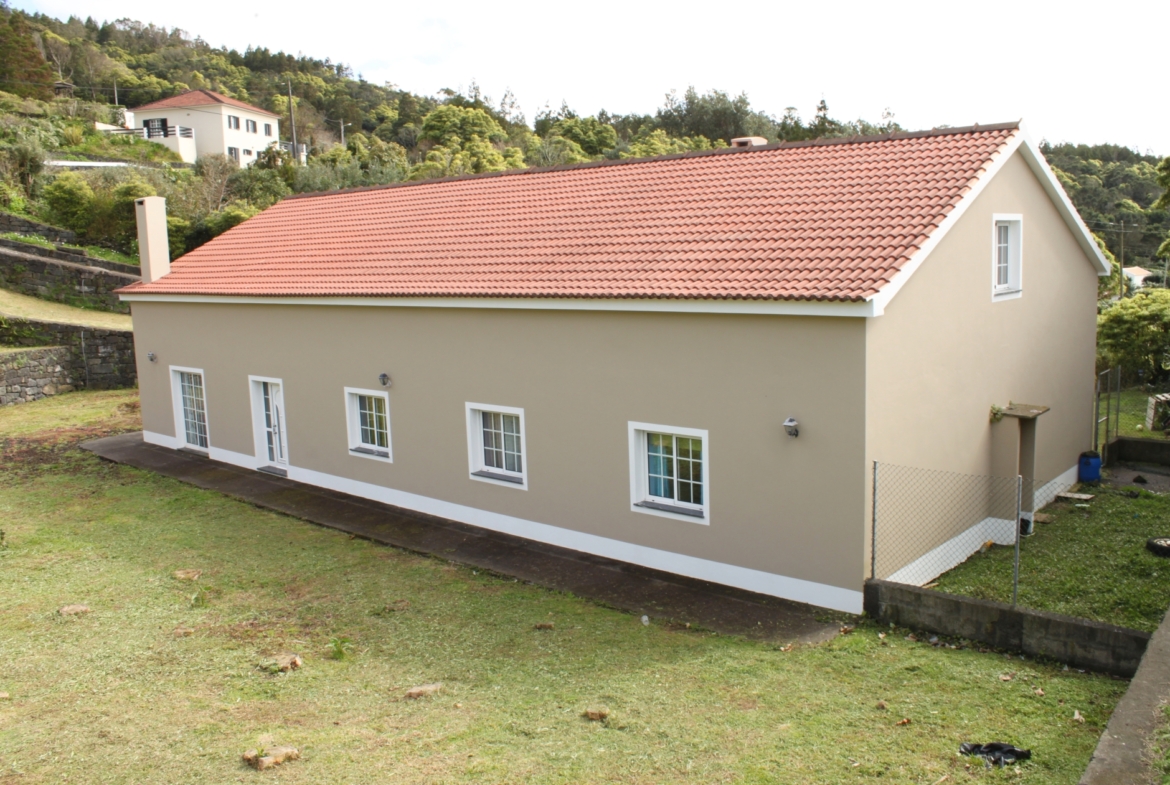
{"x":461,"y":123}
{"x":59,"y":52}
{"x":1134,"y":332}
{"x":260,"y":188}
{"x":591,"y":135}
{"x":553,"y":151}
{"x":23,"y":70}
{"x":214,"y":172}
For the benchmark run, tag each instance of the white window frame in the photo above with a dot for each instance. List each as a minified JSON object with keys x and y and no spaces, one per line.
{"x":250,"y":126}
{"x":233,"y":122}
{"x":640,"y":498}
{"x":353,"y":425}
{"x":476,"y":469}
{"x":234,"y":153}
{"x":177,"y":404}
{"x":1015,"y":286}
{"x":260,"y":442}
{"x":268,"y":129}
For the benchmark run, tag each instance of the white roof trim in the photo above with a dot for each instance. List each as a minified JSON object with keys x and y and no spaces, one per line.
{"x":1022,"y":142}
{"x":748,"y":307}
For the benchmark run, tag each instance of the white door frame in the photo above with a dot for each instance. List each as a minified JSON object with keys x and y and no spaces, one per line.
{"x":260,"y":424}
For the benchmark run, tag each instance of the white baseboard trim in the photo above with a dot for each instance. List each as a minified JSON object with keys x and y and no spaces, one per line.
{"x":161,"y":439}
{"x":795,"y":589}
{"x":955,"y":551}
{"x":1061,"y":483}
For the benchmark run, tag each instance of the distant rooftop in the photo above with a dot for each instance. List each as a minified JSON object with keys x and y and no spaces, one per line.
{"x":200,"y":98}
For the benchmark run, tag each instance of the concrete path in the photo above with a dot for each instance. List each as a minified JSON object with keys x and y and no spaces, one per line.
{"x":1122,"y":756}
{"x":630,"y":588}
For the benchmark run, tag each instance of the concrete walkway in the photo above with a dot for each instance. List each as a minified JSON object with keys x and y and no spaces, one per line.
{"x":630,"y":588}
{"x":1122,"y":756}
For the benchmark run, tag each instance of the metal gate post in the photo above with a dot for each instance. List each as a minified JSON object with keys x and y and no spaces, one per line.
{"x":873,"y":526}
{"x":1016,"y":568}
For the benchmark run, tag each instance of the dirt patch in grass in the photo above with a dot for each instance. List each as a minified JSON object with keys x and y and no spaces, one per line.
{"x":117,"y":686}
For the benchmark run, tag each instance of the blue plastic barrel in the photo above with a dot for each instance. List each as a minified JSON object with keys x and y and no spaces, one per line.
{"x":1089,"y":467}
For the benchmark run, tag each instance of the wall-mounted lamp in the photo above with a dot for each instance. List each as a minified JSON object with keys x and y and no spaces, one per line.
{"x":792,"y":427}
{"x":384,"y":378}
{"x":152,"y":357}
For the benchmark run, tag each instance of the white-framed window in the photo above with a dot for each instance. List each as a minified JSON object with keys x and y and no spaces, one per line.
{"x":250,"y":126}
{"x":367,"y":418}
{"x":247,"y":152}
{"x":233,"y":122}
{"x":189,"y":398}
{"x":495,"y":445}
{"x":234,"y":152}
{"x":268,"y":129}
{"x":670,"y":472}
{"x":1007,"y":256}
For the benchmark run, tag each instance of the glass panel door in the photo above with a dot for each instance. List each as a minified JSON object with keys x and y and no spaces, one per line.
{"x":274,"y":432}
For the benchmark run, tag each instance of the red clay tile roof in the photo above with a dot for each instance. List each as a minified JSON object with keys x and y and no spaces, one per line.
{"x":807,"y":221}
{"x":200,"y":98}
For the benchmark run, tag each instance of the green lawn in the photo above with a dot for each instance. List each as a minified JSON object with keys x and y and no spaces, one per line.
{"x":26,"y":307}
{"x":1089,"y":562}
{"x":1132,"y":419}
{"x":115,"y":696}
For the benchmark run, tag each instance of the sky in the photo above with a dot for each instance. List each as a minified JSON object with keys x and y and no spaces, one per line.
{"x":1073,"y":72}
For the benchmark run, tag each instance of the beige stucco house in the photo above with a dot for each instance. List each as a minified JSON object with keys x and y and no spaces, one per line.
{"x":204,"y":122}
{"x":613,"y":357}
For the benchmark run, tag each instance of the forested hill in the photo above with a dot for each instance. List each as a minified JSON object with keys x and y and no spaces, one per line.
{"x":391,"y":133}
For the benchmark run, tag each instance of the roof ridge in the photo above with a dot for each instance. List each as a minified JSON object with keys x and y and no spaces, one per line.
{"x":822,"y":142}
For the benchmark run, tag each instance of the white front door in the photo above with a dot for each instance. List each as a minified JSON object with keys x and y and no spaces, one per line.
{"x":271,"y":435}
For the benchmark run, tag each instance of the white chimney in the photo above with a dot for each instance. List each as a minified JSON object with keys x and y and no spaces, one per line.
{"x":749,"y":141}
{"x":154,"y":252}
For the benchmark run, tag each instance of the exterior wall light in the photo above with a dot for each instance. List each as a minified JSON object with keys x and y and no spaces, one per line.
{"x":792,"y":427}
{"x":152,"y":357}
{"x":384,"y":378}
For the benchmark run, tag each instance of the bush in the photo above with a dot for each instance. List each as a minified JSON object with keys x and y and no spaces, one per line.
{"x":1134,"y":332}
{"x":219,"y":222}
{"x":72,"y":135}
{"x":260,"y":188}
{"x":70,"y":201}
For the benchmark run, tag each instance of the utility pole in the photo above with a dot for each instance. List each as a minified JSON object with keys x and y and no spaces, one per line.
{"x":341,"y":124}
{"x":292,"y":124}
{"x":115,"y":92}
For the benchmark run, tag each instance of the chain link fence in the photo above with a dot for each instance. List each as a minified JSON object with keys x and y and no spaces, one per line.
{"x":1131,"y":405}
{"x":926,"y":522}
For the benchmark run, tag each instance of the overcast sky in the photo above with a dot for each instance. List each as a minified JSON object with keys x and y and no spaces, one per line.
{"x":1073,"y":71}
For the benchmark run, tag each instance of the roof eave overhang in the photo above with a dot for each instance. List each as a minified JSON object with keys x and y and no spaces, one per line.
{"x":1020,"y":142}
{"x":853,"y":309}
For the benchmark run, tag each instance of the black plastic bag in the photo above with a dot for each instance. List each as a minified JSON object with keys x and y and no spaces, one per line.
{"x":996,"y":752}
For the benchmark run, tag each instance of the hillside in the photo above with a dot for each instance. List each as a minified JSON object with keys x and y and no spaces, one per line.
{"x":393,"y":134}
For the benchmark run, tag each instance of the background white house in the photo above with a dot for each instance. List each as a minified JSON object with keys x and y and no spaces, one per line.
{"x":203,"y":122}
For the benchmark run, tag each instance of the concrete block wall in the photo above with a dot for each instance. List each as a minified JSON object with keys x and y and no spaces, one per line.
{"x":100,"y":359}
{"x":33,"y":374}
{"x":20,"y":225}
{"x":1092,"y":645}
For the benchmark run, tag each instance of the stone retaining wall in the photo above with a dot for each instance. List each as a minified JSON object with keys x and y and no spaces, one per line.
{"x":36,"y":373}
{"x":65,"y":253}
{"x":1092,"y":645}
{"x":19,"y":225}
{"x":101,"y":359}
{"x":66,"y":282}
{"x":1134,"y":450}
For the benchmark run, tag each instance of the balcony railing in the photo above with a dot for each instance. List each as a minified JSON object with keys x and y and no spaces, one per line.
{"x":156,"y":132}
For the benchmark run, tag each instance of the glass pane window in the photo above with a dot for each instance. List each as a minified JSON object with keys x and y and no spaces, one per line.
{"x":194,"y":409}
{"x":1003,"y":254}
{"x":674,"y":468}
{"x":501,"y":442}
{"x":372,"y":428}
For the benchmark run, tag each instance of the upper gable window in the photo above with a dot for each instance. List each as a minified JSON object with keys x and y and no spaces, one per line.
{"x":1007,"y":248}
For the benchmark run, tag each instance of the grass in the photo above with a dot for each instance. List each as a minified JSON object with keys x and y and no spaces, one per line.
{"x":1089,"y":562}
{"x":26,"y":307}
{"x":115,"y":696}
{"x":92,"y":250}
